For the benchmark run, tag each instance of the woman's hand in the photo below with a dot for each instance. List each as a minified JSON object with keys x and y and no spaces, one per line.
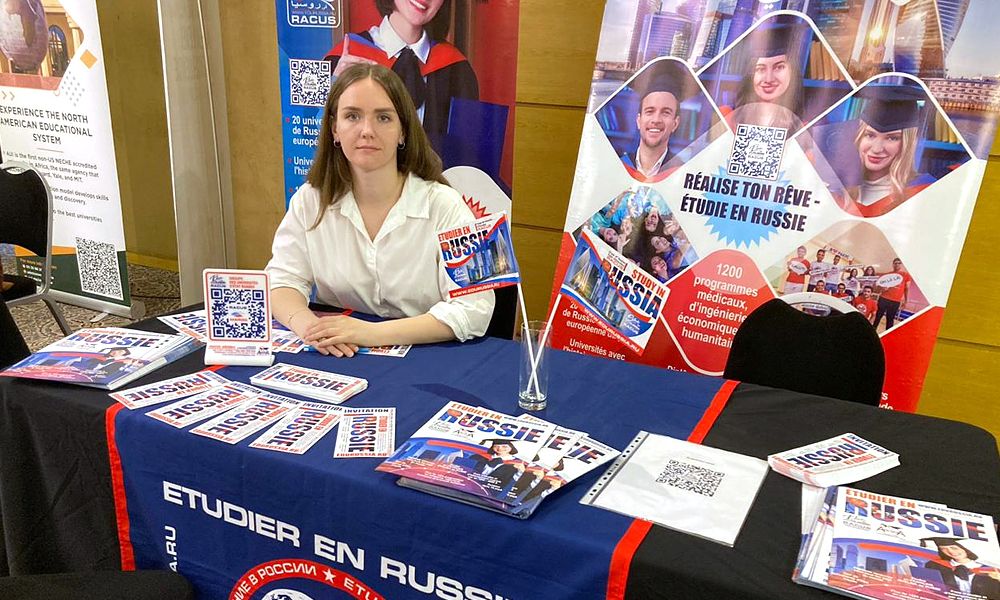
{"x":340,"y":335}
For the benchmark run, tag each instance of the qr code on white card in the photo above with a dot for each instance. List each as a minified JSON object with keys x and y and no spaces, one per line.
{"x":98,"y":266}
{"x":757,"y":151}
{"x":309,"y":81}
{"x":692,"y":478}
{"x":238,"y":314}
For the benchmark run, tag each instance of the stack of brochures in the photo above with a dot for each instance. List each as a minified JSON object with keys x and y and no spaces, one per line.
{"x":492,"y":460}
{"x":688,"y":487}
{"x":311,"y":383}
{"x":106,"y":358}
{"x":843,"y":459}
{"x":874,"y":546}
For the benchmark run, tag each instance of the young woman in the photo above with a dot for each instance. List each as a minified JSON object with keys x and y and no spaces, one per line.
{"x":887,"y":147}
{"x":770,"y":91}
{"x":961,"y":570}
{"x":362,"y":229}
{"x":410,"y":41}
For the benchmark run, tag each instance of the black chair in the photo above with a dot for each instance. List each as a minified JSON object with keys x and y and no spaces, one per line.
{"x":26,"y":206}
{"x":99,"y":585}
{"x":504,"y":313}
{"x":838,"y":355}
{"x":12,"y":346}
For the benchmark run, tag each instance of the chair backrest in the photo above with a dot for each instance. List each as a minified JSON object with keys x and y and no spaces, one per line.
{"x":839,"y":355}
{"x":504,"y":313}
{"x":12,"y":346}
{"x":26,"y":206}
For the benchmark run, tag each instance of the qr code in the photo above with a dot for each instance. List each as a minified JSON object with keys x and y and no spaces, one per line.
{"x":238,"y":314}
{"x":692,"y":478}
{"x":757,"y":151}
{"x":309,"y":81}
{"x":98,"y":266}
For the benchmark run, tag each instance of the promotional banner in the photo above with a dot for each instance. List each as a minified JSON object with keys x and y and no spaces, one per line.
{"x":459,"y":62}
{"x":54,"y":116}
{"x":741,"y":150}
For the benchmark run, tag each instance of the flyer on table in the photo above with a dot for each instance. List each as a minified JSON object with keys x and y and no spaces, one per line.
{"x":756,"y":152}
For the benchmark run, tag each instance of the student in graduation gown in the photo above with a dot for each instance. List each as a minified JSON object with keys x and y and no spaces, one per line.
{"x":661,"y":90}
{"x":362,"y":232}
{"x":770,"y":91}
{"x":961,"y":571}
{"x":410,"y":41}
{"x":887,"y":147}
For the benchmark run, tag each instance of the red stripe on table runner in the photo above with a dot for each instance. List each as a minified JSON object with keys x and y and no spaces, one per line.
{"x":118,"y":489}
{"x":621,"y":558}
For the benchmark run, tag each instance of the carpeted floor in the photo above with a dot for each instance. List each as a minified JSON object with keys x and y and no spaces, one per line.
{"x":158,"y":289}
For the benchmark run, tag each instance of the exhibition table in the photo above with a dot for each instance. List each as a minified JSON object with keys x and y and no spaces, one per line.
{"x":225,"y":515}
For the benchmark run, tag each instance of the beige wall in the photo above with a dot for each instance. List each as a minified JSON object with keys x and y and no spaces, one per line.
{"x":558,"y":41}
{"x":130,"y":36}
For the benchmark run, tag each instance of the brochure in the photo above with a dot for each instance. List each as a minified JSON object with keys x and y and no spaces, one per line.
{"x":366,"y":433}
{"x":170,"y":389}
{"x":885,"y":547}
{"x":189,"y":323}
{"x":692,"y":488}
{"x":106,"y":358}
{"x":845,"y":458}
{"x":396,"y":351}
{"x":298,"y":430}
{"x":238,"y":317}
{"x":188,"y":411}
{"x":311,"y":383}
{"x":474,"y":450}
{"x":621,"y":298}
{"x":479,"y":256}
{"x":246,"y":419}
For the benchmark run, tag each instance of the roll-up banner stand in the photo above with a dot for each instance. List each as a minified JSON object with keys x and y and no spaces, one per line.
{"x":54,"y":116}
{"x":467,"y":60}
{"x":741,"y":150}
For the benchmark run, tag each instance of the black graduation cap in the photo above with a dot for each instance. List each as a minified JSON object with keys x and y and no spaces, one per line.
{"x":664,"y":76}
{"x":497,"y":441}
{"x":774,"y":40}
{"x":891,"y":107}
{"x":940,"y":541}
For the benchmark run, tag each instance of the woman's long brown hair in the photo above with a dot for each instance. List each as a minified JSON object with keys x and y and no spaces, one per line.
{"x":330,"y":173}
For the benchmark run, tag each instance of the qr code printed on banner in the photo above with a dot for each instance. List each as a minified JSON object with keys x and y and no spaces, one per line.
{"x":309,"y":81}
{"x":238,"y":314}
{"x":98,"y":266}
{"x":685,"y":476}
{"x":757,"y":151}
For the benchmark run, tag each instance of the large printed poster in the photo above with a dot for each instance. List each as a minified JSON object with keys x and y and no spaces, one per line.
{"x":54,"y":116}
{"x":457,"y":58}
{"x":741,"y":150}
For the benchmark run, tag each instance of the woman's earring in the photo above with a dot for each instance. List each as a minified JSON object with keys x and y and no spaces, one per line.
{"x":336,"y":143}
{"x":402,"y":144}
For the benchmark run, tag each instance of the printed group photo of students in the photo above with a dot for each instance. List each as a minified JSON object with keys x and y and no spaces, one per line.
{"x":638,"y":224}
{"x":854,"y":263}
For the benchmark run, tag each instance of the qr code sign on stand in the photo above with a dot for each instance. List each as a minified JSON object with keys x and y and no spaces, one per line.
{"x":238,"y":314}
{"x":692,"y":478}
{"x":98,"y":266}
{"x":309,"y":81}
{"x":757,"y":151}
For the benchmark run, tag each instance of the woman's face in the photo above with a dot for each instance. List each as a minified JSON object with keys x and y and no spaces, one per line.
{"x":956,"y":553}
{"x":652,"y":220}
{"x":502,"y":449}
{"x":771,"y":77}
{"x":659,"y":266}
{"x":852,"y":273}
{"x":660,"y":244}
{"x":367,"y":126}
{"x":878,"y":150}
{"x":418,"y":12}
{"x":869,"y":270}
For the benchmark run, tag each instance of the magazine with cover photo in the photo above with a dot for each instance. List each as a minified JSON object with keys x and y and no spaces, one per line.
{"x":105,"y":358}
{"x":470,"y":449}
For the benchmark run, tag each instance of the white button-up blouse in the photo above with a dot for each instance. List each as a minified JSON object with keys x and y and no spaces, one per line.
{"x":398,"y":274}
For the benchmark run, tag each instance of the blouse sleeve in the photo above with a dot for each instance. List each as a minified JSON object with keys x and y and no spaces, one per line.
{"x":290,"y":266}
{"x":468,"y":316}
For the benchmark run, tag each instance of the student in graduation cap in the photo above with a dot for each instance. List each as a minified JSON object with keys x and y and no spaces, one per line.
{"x":657,"y":119}
{"x":960,"y":569}
{"x":410,"y":41}
{"x":887,"y":148}
{"x":770,"y":91}
{"x":361,"y":233}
